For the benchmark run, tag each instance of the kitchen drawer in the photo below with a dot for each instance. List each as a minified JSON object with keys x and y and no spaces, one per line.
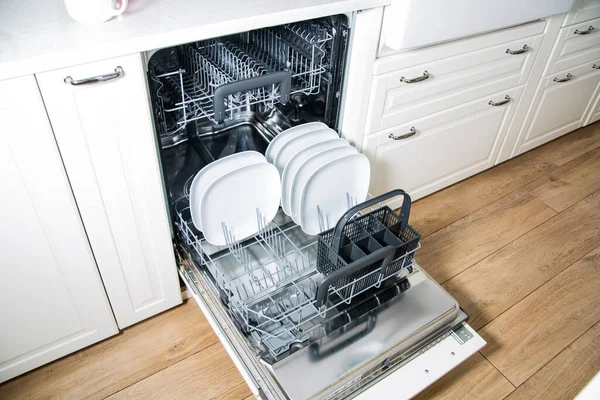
{"x":582,"y":10}
{"x":575,"y":45}
{"x":390,"y":63}
{"x":561,"y":107}
{"x":445,"y":148}
{"x":594,"y":114}
{"x":451,"y":82}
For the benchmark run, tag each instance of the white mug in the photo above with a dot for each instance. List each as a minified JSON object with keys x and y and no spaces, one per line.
{"x":93,"y":11}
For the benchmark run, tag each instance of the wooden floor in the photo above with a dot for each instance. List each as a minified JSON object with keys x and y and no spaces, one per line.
{"x":518,"y":246}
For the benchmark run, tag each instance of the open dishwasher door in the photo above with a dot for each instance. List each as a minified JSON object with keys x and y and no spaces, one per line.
{"x":402,"y":372}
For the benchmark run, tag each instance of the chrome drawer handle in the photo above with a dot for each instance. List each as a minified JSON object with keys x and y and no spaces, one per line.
{"x":412,"y":132}
{"x":567,"y":78}
{"x":596,"y":66}
{"x":588,"y":30}
{"x":100,"y":78}
{"x":417,"y":79}
{"x":525,"y":49}
{"x":500,"y":103}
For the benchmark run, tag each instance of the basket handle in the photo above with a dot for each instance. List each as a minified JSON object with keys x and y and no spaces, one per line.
{"x":339,"y":227}
{"x":282,"y":77}
{"x":386,"y":254}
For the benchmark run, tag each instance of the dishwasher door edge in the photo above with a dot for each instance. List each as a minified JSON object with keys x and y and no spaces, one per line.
{"x":204,"y":303}
{"x":422,"y":371}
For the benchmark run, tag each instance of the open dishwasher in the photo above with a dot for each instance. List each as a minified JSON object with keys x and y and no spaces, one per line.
{"x":292,"y":330}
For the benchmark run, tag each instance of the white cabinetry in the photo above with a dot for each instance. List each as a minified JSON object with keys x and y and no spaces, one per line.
{"x":562,"y":103}
{"x":566,"y":96}
{"x":52,"y":301}
{"x":106,"y":138}
{"x":427,"y":154}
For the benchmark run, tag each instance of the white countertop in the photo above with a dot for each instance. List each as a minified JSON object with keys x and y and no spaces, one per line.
{"x":39,"y":35}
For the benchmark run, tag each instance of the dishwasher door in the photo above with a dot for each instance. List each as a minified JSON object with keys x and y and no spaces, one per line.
{"x":408,"y":378}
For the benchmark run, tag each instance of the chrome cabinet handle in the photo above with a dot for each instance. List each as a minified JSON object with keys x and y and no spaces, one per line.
{"x":596,"y":66}
{"x":500,"y":103}
{"x":417,"y":79}
{"x":525,"y":49}
{"x":412,"y":132}
{"x":588,"y":30}
{"x":567,"y":78}
{"x":100,"y":78}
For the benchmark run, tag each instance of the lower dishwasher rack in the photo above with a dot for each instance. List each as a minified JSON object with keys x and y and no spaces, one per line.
{"x":270,"y":281}
{"x":273,"y":347}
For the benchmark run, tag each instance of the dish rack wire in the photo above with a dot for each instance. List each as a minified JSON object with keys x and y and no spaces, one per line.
{"x":185,"y":89}
{"x":270,"y":281}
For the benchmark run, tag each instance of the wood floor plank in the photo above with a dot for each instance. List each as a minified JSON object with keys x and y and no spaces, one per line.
{"x":208,"y":374}
{"x":440,"y":209}
{"x":474,"y":379}
{"x":567,"y":373}
{"x":594,"y":199}
{"x":501,"y":280}
{"x":570,"y":183}
{"x":111,"y":365}
{"x":534,"y":331}
{"x":571,"y":146}
{"x":458,"y":246}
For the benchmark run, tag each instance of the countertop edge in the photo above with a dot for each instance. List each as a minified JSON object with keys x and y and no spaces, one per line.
{"x":107,"y":50}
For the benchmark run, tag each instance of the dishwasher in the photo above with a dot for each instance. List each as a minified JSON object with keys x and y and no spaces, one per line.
{"x":291,"y":332}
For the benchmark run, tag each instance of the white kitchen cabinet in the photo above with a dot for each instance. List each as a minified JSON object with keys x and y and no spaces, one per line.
{"x":562,"y":102}
{"x":52,"y":301}
{"x":594,"y":114}
{"x":420,"y":83}
{"x":106,"y":138}
{"x":427,"y":154}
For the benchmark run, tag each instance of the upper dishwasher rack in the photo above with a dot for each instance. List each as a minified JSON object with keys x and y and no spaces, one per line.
{"x":186,"y":84}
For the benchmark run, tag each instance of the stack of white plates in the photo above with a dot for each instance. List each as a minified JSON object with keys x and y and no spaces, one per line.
{"x":229,"y":195}
{"x":322,"y":175}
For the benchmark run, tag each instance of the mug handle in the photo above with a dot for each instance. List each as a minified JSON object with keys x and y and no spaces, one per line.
{"x":121,"y":9}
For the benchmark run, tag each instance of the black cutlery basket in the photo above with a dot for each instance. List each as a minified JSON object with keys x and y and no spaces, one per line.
{"x":357,"y":247}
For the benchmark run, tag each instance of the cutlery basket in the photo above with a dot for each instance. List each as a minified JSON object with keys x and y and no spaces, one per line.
{"x":366,"y":249}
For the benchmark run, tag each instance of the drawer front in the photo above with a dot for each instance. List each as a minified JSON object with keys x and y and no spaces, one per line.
{"x":576,"y":45}
{"x":583,"y":10}
{"x":450,"y":82}
{"x":561,"y":106}
{"x":595,"y":114}
{"x":444,"y":148}
{"x":390,"y":63}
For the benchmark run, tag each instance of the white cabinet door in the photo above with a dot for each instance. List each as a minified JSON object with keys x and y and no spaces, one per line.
{"x":52,"y":301}
{"x":105,"y":135}
{"x":560,"y":107}
{"x":442,"y":149}
{"x":594,"y":114}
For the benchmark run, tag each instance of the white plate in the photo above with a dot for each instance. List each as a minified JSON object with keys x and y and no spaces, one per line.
{"x":296,"y":162}
{"x":234,"y":198}
{"x":328,"y":187}
{"x":288,"y":135}
{"x":213,"y":171}
{"x":293,"y":146}
{"x":307,"y":169}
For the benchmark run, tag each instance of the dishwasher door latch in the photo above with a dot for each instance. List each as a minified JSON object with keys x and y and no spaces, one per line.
{"x":461,"y":334}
